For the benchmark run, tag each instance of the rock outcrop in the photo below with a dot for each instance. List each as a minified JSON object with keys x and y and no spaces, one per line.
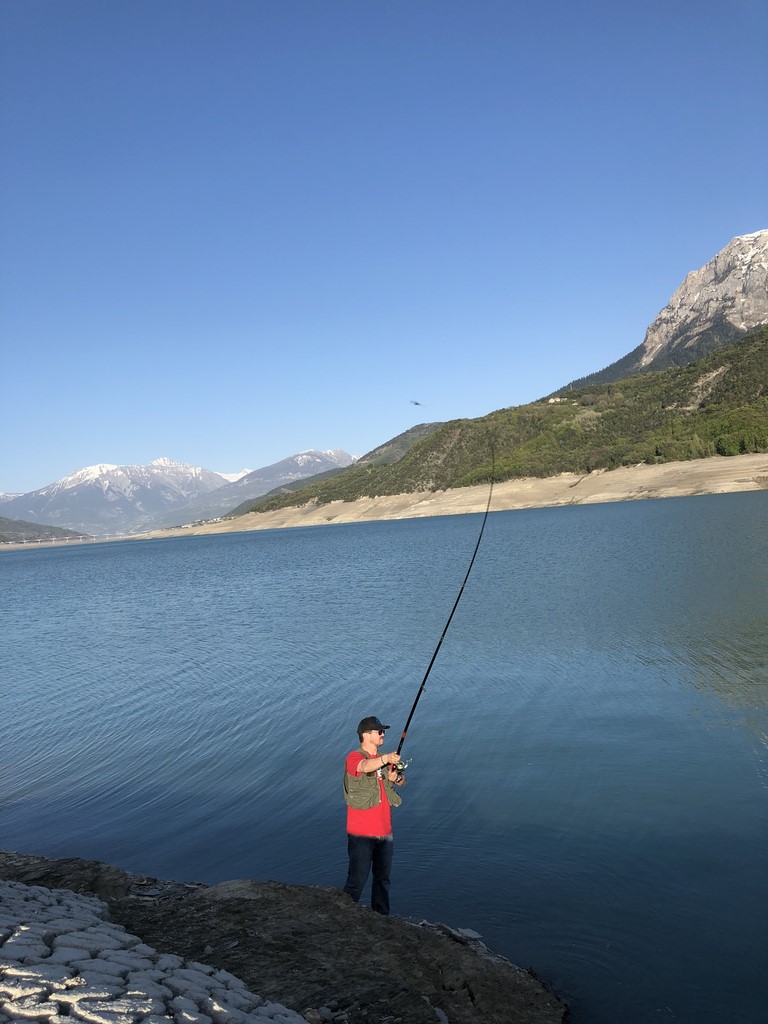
{"x":62,"y":962}
{"x":728,"y":294}
{"x":714,"y":306}
{"x":310,"y":948}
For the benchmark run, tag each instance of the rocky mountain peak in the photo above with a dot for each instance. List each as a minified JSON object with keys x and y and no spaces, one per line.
{"x":731,"y":291}
{"x":714,"y":306}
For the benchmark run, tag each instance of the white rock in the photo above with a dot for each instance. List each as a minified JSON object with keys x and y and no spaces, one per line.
{"x":138,"y":1007}
{"x":218,"y":1011}
{"x":104,"y":1016}
{"x":62,"y":962}
{"x":12,"y":988}
{"x":27,"y":1008}
{"x":191,"y":1017}
{"x":72,"y":997}
{"x":54,"y":973}
{"x":148,"y":988}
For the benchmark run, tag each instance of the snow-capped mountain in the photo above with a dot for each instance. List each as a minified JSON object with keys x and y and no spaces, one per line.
{"x":105,"y":499}
{"x":260,"y":481}
{"x":186,"y":480}
{"x":714,"y":306}
{"x":232,"y":477}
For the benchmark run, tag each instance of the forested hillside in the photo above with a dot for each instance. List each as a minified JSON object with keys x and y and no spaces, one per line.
{"x":16,"y":531}
{"x":717,"y":405}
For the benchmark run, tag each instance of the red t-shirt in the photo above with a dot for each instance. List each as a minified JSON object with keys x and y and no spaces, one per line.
{"x":375,"y":821}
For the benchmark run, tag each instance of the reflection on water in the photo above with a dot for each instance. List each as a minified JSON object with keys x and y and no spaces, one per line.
{"x":588,"y":787}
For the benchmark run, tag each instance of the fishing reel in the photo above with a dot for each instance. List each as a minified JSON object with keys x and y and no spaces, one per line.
{"x":401,"y":766}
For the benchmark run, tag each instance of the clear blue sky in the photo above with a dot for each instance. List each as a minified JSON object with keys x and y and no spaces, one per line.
{"x":234,"y":229}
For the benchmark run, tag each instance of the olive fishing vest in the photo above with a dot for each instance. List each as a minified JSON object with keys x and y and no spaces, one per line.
{"x":362,"y":791}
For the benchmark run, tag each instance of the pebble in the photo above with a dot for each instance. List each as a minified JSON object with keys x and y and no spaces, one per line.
{"x":63,"y":962}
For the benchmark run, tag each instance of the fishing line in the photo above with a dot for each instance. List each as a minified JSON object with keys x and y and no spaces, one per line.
{"x":455,"y":606}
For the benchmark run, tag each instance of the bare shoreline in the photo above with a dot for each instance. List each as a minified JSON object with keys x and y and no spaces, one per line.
{"x":715,"y":475}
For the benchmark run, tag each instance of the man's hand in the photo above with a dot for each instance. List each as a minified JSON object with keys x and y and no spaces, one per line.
{"x":394,"y":776}
{"x":390,"y":758}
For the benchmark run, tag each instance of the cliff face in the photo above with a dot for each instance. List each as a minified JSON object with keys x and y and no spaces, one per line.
{"x":730,"y":293}
{"x":714,"y":306}
{"x":310,"y":948}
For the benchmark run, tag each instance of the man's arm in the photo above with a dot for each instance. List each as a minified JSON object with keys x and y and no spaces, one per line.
{"x":372,"y":764}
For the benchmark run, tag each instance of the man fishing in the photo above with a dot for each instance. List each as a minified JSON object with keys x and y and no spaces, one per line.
{"x":370,"y":779}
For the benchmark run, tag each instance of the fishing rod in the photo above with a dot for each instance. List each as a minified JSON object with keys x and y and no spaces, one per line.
{"x":453,"y":610}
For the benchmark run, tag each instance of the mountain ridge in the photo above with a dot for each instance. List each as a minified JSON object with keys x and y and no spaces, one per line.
{"x":285,"y":473}
{"x":715,"y":405}
{"x":106,"y":499}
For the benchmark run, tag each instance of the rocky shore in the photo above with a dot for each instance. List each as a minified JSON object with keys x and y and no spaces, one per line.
{"x":82,"y":942}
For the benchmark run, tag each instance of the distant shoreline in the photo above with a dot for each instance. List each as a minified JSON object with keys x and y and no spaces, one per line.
{"x":715,"y":475}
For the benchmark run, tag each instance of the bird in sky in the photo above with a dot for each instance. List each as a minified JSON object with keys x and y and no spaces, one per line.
{"x":414,"y":402}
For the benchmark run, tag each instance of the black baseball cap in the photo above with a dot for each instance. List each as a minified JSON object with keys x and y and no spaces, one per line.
{"x":371,"y":724}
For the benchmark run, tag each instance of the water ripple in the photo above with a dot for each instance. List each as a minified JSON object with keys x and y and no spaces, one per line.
{"x":590,"y":762}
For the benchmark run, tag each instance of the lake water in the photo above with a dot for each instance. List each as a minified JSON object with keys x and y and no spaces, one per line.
{"x":589,"y":786}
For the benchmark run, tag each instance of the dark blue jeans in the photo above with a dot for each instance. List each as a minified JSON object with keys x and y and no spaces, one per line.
{"x":366,"y":852}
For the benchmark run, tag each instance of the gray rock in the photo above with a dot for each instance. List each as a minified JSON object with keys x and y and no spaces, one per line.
{"x":140,"y":978}
{"x":93,"y":941}
{"x":24,"y":953}
{"x":229,"y":980}
{"x":193,"y":965}
{"x":191,"y":1017}
{"x":98,"y":968}
{"x":732,"y":287}
{"x":297,"y":945}
{"x":66,"y":954}
{"x":127,"y":959}
{"x":168,"y":962}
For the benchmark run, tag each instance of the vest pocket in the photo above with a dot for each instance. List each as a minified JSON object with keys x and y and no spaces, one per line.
{"x":361,"y":791}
